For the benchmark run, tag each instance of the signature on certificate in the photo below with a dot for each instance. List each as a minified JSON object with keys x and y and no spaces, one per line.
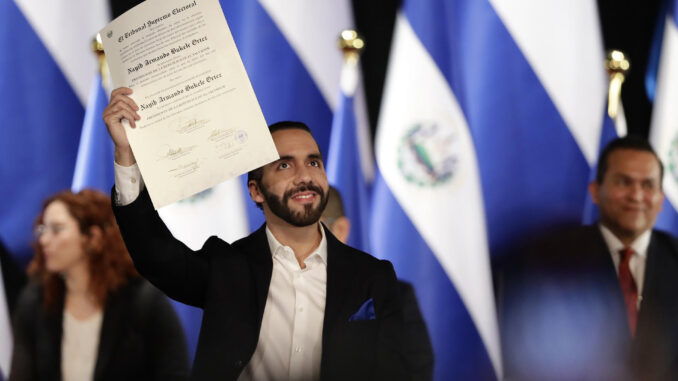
{"x":219,"y":134}
{"x":186,"y":125}
{"x":185,"y":169}
{"x":172,"y":153}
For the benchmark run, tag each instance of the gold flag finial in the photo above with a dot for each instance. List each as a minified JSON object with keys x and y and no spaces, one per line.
{"x":352,"y":44}
{"x":617,"y":65}
{"x":98,"y":49}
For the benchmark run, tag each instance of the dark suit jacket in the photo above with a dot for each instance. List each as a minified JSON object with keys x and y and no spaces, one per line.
{"x":141,"y":337}
{"x":13,"y":276}
{"x":417,"y":348}
{"x":566,"y":316}
{"x":230,"y":282}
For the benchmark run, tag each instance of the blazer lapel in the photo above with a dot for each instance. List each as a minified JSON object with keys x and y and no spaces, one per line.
{"x":655,"y":352}
{"x":659,"y":287}
{"x":600,"y":253}
{"x":338,"y":287}
{"x":649,"y":283}
{"x":110,"y":332}
{"x":256,"y":247}
{"x":50,"y":330}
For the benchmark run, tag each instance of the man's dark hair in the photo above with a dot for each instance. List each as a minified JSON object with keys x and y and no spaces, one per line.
{"x":627,"y":142}
{"x":256,"y":174}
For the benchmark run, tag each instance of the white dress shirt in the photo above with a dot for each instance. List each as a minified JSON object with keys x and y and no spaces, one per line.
{"x":638,"y":259}
{"x":290,"y":339}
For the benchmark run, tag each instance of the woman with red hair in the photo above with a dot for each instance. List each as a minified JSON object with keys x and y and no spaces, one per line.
{"x":87,"y":315}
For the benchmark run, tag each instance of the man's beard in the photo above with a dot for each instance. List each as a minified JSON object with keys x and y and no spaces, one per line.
{"x":281,"y":209}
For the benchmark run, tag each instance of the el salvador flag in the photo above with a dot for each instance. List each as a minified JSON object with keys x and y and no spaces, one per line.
{"x":290,"y":52}
{"x":490,"y":125}
{"x":344,"y":160}
{"x":664,"y":127}
{"x":45,"y":72}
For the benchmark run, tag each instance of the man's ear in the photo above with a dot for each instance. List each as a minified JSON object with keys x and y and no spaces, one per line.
{"x":593,"y":191}
{"x":255,"y":192}
{"x":341,"y":229}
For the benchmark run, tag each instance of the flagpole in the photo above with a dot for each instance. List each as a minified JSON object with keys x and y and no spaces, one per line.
{"x":94,"y":161}
{"x":344,"y":159}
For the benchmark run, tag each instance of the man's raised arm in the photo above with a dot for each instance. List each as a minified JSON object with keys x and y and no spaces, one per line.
{"x":128,"y":180}
{"x":121,"y":106}
{"x":158,"y":256}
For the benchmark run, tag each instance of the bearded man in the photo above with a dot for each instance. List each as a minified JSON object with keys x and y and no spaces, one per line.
{"x":288,"y":302}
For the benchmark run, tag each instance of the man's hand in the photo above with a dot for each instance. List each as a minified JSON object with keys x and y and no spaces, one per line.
{"x":121,"y":106}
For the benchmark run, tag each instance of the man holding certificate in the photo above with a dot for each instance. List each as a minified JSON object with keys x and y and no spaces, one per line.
{"x":288,"y":302}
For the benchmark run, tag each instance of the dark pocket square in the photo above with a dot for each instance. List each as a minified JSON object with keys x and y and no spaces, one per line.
{"x":365,"y":312}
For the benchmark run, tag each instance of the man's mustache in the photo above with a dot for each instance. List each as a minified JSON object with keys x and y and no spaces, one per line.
{"x":304,"y":188}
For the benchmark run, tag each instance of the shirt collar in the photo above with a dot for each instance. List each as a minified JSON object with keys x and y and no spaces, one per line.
{"x":639,"y":246}
{"x":320,"y":252}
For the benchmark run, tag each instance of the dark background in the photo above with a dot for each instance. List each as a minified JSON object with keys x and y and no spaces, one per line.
{"x":627,"y":25}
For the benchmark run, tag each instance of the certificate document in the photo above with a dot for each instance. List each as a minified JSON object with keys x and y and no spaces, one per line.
{"x":200,"y":122}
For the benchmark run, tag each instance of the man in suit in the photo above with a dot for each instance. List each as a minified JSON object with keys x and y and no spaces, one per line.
{"x":288,"y":302}
{"x":601,"y":302}
{"x":417,"y":349}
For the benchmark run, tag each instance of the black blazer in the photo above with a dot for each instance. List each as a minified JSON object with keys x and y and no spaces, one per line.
{"x":13,"y":276}
{"x":417,"y":348}
{"x":141,"y":337}
{"x":566,"y":298}
{"x":230,"y":282}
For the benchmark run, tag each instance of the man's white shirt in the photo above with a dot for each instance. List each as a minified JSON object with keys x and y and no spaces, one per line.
{"x":290,"y":339}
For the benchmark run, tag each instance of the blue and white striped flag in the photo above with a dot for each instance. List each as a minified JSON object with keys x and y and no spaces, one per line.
{"x":489,"y":127}
{"x":664,"y":128}
{"x":45,"y":70}
{"x":45,"y":73}
{"x":289,"y":50}
{"x":345,"y":163}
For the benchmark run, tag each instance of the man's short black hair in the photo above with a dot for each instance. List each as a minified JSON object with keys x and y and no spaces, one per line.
{"x":256,"y":174}
{"x":631,"y":142}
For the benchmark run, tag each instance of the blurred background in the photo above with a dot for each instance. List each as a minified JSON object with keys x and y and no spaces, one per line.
{"x":475,"y":124}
